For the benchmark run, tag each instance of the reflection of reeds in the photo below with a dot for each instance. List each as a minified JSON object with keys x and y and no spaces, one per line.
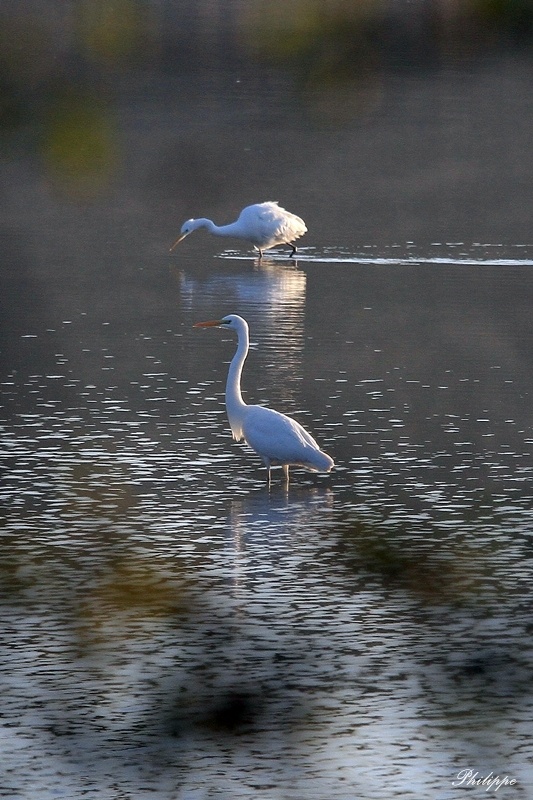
{"x":433,"y":569}
{"x":130,"y":650}
{"x":130,"y":587}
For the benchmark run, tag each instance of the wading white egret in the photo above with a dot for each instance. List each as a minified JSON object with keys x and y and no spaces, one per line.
{"x":265,"y":225}
{"x":276,"y":438}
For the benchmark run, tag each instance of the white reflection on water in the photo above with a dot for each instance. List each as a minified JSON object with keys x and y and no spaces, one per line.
{"x":272,"y":299}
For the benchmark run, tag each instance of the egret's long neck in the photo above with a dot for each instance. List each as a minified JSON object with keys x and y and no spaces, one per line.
{"x":234,"y":401}
{"x":218,"y":230}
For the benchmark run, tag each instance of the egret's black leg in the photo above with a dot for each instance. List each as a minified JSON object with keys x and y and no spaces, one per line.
{"x":286,"y":473}
{"x":293,"y":251}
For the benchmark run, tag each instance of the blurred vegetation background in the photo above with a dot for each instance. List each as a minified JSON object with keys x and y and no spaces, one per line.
{"x":66,"y":66}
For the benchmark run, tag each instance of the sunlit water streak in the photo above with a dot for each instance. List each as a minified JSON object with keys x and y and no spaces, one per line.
{"x":481,"y":255}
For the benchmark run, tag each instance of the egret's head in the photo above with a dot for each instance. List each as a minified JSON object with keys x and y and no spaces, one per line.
{"x":186,"y":228}
{"x":232,"y":321}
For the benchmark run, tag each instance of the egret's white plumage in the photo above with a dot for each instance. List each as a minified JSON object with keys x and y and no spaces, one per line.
{"x":276,"y":438}
{"x":265,"y":225}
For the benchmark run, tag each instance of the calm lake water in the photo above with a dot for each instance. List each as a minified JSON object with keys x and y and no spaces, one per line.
{"x":172,"y":629}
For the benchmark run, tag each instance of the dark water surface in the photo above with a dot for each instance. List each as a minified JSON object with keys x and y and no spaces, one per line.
{"x":170,"y":628}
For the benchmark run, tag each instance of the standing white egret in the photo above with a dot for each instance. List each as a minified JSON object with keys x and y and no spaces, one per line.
{"x":265,"y":225}
{"x":276,"y":438}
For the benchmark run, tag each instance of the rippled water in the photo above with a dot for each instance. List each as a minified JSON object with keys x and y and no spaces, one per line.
{"x":171,"y":628}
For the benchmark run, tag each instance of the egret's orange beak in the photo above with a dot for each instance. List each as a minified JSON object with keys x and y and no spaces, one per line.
{"x":178,"y":240}
{"x":211,"y":323}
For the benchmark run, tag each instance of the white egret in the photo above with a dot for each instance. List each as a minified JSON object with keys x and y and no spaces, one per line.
{"x":265,"y":225}
{"x":276,"y":438}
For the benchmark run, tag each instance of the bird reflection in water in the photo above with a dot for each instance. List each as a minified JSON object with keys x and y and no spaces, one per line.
{"x":273,"y":296}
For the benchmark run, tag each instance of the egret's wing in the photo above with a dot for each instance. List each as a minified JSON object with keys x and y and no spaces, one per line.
{"x":271,"y":222}
{"x":276,"y":437}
